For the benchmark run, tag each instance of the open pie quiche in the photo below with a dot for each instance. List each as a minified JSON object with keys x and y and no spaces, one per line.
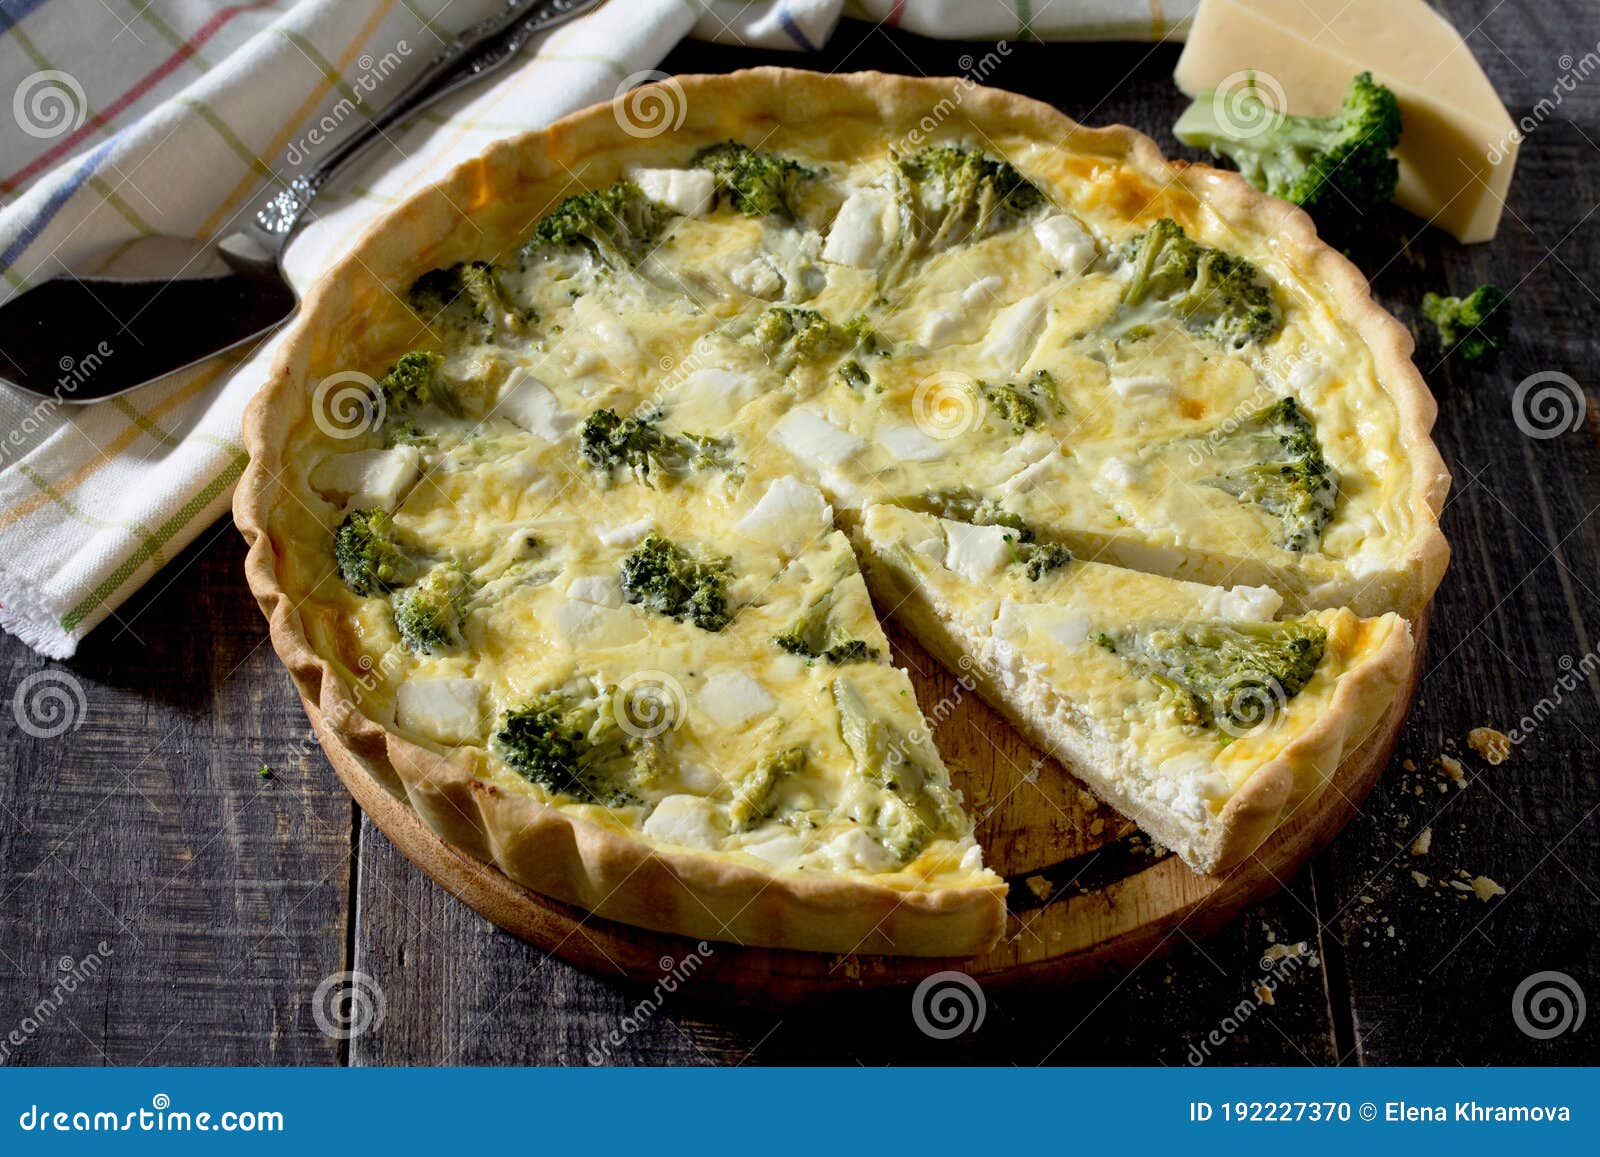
{"x":577,"y":493}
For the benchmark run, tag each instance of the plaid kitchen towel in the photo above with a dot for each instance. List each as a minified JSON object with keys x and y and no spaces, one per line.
{"x":133,"y":118}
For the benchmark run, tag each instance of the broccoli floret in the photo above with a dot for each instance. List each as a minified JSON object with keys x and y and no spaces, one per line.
{"x":1339,"y":167}
{"x":852,"y":374}
{"x":428,"y":615}
{"x":618,"y":224}
{"x":791,"y":336}
{"x":370,"y":561}
{"x":1472,"y":327}
{"x":469,"y":296}
{"x":961,"y":505}
{"x":1229,"y":674}
{"x":753,"y":797}
{"x":814,"y":635}
{"x":659,"y":576}
{"x":921,"y":806}
{"x":413,"y":381}
{"x":1273,"y":459}
{"x":1043,"y":383}
{"x":1214,"y":293}
{"x":949,"y":195}
{"x":610,"y":442}
{"x":1012,"y":405}
{"x":1041,"y":558}
{"x":755,"y":183}
{"x":575,"y":747}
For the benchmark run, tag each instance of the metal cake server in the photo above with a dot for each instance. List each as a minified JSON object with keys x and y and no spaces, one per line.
{"x":85,"y":339}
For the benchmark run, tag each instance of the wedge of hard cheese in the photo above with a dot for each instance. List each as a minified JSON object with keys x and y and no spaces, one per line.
{"x":1458,"y":146}
{"x":1189,"y":708}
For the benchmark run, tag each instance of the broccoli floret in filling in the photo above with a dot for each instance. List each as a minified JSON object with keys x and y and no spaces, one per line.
{"x":428,"y":615}
{"x":659,"y":576}
{"x":1236,"y":675}
{"x":1039,"y":559}
{"x":618,"y":224}
{"x":920,"y":808}
{"x":790,"y":336}
{"x":573,"y":746}
{"x":814,"y":635}
{"x":1273,"y":459}
{"x":753,"y":798}
{"x":469,"y":296}
{"x":413,"y":382}
{"x":370,"y":560}
{"x":608,"y":442}
{"x":1213,"y":293}
{"x":961,"y":505}
{"x":948,"y":196}
{"x":755,"y":183}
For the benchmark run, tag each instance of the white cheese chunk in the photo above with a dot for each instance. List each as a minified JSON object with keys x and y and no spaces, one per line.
{"x":368,"y":478}
{"x":1247,"y":604}
{"x":982,"y":292}
{"x":812,"y":438}
{"x":717,"y":394}
{"x":1140,"y":386}
{"x":909,"y":444}
{"x":445,"y":710}
{"x":758,"y":277}
{"x":1119,"y":472}
{"x":690,"y":192}
{"x":940,"y":326}
{"x":686,"y":820}
{"x":977,"y":552}
{"x":855,"y":850}
{"x":861,"y":229}
{"x":627,"y":534}
{"x":601,"y":590}
{"x":1016,"y":331}
{"x":529,"y":403}
{"x":1067,"y":243}
{"x":780,"y":850}
{"x":730,"y":698}
{"x":790,"y":515}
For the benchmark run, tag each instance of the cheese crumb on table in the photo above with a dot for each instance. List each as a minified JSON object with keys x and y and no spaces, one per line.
{"x":1494,"y":746}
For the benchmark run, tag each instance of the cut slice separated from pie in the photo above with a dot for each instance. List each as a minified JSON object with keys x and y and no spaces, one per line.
{"x":557,"y":496}
{"x":1194,"y":710}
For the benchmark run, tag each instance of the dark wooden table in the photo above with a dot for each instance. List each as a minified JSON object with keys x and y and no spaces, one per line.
{"x":217,"y":901}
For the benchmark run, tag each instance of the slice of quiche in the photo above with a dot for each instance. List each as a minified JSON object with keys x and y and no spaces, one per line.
{"x":1192,"y":709}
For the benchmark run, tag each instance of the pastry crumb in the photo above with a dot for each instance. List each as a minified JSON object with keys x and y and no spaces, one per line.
{"x":1421,"y":879}
{"x":1486,"y":888}
{"x":1494,"y":746}
{"x":1040,"y":887}
{"x":1424,"y":841}
{"x":1451,"y":766}
{"x":1264,"y":994}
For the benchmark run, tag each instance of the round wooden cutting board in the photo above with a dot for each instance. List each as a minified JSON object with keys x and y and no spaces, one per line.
{"x":1089,"y":894}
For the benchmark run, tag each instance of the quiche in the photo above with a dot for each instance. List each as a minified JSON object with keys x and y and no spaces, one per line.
{"x":576,"y":496}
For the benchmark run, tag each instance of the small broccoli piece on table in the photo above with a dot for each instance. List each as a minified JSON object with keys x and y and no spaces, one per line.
{"x":573,"y":746}
{"x":469,"y":296}
{"x":1234,"y":675}
{"x":609,"y":442}
{"x":428,"y":615}
{"x":370,"y":560}
{"x":949,"y":195}
{"x":922,"y":808}
{"x":1339,"y":167}
{"x":660,"y":577}
{"x":1213,"y":293}
{"x":753,"y":797}
{"x":618,"y":224}
{"x":1472,"y":327}
{"x":814,"y":635}
{"x":961,"y":505}
{"x":1273,"y":459}
{"x":757,"y":184}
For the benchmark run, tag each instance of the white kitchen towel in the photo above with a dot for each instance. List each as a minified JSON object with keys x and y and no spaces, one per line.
{"x":141,"y":117}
